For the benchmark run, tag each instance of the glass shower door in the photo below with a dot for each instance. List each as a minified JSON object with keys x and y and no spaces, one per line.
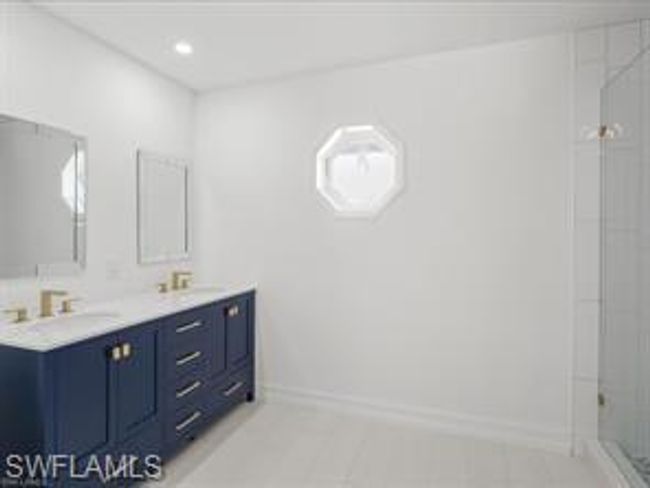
{"x":624,"y":419}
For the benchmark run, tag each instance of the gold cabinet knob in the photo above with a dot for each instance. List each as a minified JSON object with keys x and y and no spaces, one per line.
{"x":233,"y":311}
{"x":116,"y":353}
{"x":19,"y":313}
{"x":127,"y":350}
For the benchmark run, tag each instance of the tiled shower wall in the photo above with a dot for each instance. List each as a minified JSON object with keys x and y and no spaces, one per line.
{"x":599,"y":54}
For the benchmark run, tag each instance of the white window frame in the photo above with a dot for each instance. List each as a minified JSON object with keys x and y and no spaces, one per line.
{"x":343,"y":137}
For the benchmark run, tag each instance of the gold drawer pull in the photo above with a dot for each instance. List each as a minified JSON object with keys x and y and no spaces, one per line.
{"x":233,"y":311}
{"x":126,"y":350}
{"x":188,"y":358}
{"x":188,"y":421}
{"x":188,"y":327}
{"x":189,"y":389}
{"x":233,"y":389}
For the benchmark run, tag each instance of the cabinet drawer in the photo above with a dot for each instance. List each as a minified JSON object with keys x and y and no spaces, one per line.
{"x":188,"y":357}
{"x":187,"y":389}
{"x":185,"y":424}
{"x":190,"y":326}
{"x":231,"y":391}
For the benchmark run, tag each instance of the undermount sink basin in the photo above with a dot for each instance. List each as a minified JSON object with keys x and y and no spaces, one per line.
{"x":77,"y":320}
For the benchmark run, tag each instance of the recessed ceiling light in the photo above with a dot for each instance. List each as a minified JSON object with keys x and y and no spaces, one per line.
{"x":183,"y":48}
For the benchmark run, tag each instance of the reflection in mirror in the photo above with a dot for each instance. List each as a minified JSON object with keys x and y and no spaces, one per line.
{"x":42,"y":200}
{"x":162,"y":208}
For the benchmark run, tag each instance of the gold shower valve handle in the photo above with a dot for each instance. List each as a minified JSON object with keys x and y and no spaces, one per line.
{"x":20,"y":314}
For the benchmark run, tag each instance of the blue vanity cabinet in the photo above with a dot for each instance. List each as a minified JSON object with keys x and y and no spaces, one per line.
{"x":234,"y":380}
{"x":96,"y":397}
{"x":26,"y":386}
{"x":192,"y":353}
{"x":188,"y":342}
{"x":206,"y":391}
{"x":147,"y":389}
{"x":107,"y":390}
{"x":108,"y":395}
{"x":239,"y":322}
{"x":139,"y":382}
{"x":84,"y":410}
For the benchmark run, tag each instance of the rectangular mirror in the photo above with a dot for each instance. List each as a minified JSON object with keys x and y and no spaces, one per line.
{"x":163,"y":229}
{"x":42,"y":200}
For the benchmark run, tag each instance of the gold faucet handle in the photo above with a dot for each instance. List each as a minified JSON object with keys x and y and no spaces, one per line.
{"x":20,"y":314}
{"x":163,"y":287}
{"x":185,"y":282}
{"x":179,"y":278}
{"x":66,"y":305}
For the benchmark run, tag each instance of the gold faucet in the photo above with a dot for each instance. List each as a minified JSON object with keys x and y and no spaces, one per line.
{"x":46,"y":301}
{"x":180,"y":280}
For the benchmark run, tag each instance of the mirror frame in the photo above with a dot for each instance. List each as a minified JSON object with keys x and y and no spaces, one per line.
{"x":152,"y":156}
{"x":79,"y":255}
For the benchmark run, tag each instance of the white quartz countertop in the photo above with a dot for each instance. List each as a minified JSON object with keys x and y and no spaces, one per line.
{"x":101,"y":318}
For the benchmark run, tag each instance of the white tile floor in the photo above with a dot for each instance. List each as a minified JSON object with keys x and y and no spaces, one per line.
{"x":277,"y":445}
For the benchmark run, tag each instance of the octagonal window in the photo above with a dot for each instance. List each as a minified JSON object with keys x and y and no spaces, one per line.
{"x":359,"y":170}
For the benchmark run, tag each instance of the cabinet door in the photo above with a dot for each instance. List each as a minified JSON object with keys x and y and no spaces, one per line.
{"x":239,"y":331}
{"x":85,"y":410}
{"x":139,"y":380}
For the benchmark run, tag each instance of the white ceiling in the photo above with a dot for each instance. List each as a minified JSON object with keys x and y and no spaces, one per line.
{"x":245,"y":41}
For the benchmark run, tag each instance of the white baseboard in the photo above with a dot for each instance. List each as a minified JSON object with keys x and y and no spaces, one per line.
{"x":454,"y":423}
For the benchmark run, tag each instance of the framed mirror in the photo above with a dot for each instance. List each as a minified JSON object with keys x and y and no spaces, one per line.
{"x":42,"y":200}
{"x":163,"y":227}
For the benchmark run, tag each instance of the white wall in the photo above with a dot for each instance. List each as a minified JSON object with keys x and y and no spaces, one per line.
{"x":51,"y":73}
{"x":454,"y":304}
